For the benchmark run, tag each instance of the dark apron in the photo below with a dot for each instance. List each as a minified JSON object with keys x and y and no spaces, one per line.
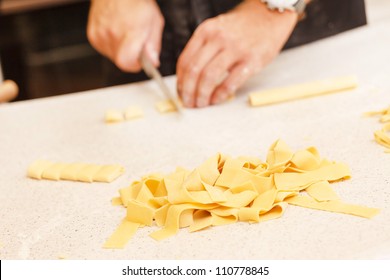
{"x":323,"y":18}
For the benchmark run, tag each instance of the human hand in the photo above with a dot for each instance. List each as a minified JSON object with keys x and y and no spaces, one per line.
{"x":8,"y":91}
{"x":121,"y":29}
{"x":227,"y":50}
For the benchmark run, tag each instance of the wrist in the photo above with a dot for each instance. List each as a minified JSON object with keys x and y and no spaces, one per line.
{"x":282,"y":6}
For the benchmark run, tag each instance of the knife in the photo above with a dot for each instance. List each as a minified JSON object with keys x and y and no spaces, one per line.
{"x":154,"y":74}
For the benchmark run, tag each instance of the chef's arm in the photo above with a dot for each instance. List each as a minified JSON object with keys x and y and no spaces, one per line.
{"x":227,"y":50}
{"x":121,"y":29}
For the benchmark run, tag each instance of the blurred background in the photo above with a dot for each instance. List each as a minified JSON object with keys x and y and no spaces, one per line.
{"x":43,"y":47}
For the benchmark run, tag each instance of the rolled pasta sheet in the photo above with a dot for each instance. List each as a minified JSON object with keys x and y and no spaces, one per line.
{"x":36,"y":169}
{"x":53,"y":172}
{"x":305,"y":90}
{"x":42,"y":169}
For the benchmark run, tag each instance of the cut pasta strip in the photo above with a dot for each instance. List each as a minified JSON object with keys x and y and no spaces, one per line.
{"x":42,"y":169}
{"x":310,"y":89}
{"x":108,"y":173}
{"x":333,"y":206}
{"x":382,"y":136}
{"x":166,"y":106}
{"x":37,"y":168}
{"x":321,"y":191}
{"x":297,"y":181}
{"x":122,"y":235}
{"x":224,"y":190}
{"x":114,"y":116}
{"x":133,"y":112}
{"x":71,"y":170}
{"x":53,"y":172}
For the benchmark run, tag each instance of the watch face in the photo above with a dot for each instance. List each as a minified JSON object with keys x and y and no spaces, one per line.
{"x":282,"y":3}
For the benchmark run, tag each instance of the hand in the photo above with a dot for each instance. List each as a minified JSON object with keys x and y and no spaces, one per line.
{"x":121,"y":29}
{"x":8,"y":91}
{"x":226,"y":50}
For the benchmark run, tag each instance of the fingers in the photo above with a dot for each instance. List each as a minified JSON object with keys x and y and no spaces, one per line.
{"x":195,"y":43}
{"x":8,"y":91}
{"x":193,"y":70}
{"x":238,"y":75}
{"x":128,"y":52}
{"x":121,"y":29}
{"x":215,"y":73}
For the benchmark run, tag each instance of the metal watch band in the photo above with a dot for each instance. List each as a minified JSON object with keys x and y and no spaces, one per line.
{"x":300,"y":7}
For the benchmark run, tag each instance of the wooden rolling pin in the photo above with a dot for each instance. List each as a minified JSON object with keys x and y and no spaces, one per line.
{"x":8,"y":91}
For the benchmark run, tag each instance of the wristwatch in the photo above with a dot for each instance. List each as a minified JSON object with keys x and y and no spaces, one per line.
{"x":282,"y":5}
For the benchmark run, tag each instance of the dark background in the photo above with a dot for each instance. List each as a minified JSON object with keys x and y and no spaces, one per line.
{"x":45,"y":50}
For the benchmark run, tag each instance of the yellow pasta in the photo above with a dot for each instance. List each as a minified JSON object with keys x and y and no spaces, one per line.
{"x":42,"y":169}
{"x":303,"y":90}
{"x":382,"y":136}
{"x":333,"y":206}
{"x":36,"y":169}
{"x":131,"y":113}
{"x":114,"y":116}
{"x":166,"y":106}
{"x":53,"y":172}
{"x":225,"y":190}
{"x":321,"y":191}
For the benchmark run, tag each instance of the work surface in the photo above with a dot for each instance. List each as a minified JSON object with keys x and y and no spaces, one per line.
{"x":49,"y":220}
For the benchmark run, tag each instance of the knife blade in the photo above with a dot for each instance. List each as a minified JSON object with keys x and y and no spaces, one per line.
{"x":154,"y":74}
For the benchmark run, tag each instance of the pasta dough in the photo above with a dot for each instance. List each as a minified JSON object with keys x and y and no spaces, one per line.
{"x":166,"y":106}
{"x":42,"y":169}
{"x":114,"y":116}
{"x":302,"y":90}
{"x":225,"y":190}
{"x":131,"y":113}
{"x":382,"y":136}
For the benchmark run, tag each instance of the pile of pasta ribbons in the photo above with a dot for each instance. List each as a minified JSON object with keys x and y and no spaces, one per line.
{"x":225,"y":190}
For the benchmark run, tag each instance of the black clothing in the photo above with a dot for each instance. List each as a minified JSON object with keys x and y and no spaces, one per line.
{"x":323,"y":18}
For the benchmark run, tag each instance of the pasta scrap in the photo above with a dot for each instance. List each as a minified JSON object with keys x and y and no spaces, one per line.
{"x":382,"y":136}
{"x":166,"y":106}
{"x":42,"y":169}
{"x":225,"y":190}
{"x":131,"y":113}
{"x":114,"y":116}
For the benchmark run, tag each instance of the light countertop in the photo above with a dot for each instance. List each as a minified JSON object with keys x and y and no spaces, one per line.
{"x":48,"y":220}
